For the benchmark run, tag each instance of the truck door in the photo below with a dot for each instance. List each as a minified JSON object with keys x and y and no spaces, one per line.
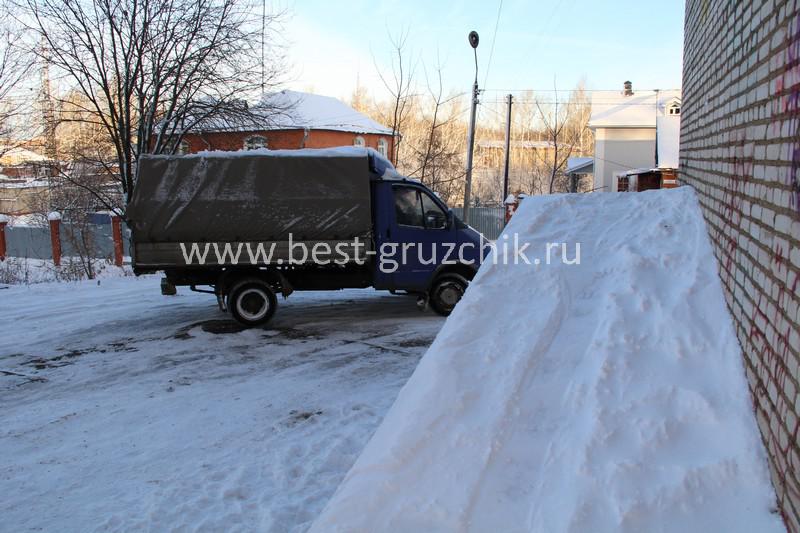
{"x":420,"y":230}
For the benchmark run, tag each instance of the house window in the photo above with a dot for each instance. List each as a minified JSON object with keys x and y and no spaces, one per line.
{"x":359,"y":141}
{"x":674,"y":109}
{"x":383,"y":147}
{"x":254,"y":142}
{"x":170,"y":147}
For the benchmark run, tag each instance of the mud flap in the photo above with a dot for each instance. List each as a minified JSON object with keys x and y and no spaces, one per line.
{"x":167,"y":288}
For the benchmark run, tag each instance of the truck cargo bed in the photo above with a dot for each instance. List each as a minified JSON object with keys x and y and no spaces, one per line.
{"x":247,"y":197}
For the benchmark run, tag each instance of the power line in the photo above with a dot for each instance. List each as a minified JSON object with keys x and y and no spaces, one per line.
{"x":597,"y":102}
{"x":491,"y":50}
{"x":615,"y":90}
{"x":543,"y":29}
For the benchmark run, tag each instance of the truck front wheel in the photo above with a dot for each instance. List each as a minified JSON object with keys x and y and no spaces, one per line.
{"x":446,"y":292}
{"x":252,"y":302}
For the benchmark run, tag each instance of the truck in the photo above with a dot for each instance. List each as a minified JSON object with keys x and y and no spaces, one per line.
{"x":246,"y":226}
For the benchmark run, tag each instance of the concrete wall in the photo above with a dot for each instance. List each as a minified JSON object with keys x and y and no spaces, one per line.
{"x":21,"y":200}
{"x":740,"y":149}
{"x":619,"y":150}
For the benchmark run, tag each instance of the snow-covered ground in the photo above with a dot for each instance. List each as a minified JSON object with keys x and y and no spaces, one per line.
{"x":607,"y":396}
{"x":124,"y":410}
{"x":26,"y":270}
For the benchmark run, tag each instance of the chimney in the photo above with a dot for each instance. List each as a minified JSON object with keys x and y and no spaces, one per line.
{"x":628,"y":89}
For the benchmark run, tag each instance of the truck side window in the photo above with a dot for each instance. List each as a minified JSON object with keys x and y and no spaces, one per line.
{"x":407,"y":207}
{"x":435,"y":218}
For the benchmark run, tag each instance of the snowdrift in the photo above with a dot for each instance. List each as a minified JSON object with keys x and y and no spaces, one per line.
{"x":605,"y":396}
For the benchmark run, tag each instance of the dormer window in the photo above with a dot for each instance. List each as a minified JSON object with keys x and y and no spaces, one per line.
{"x":254,"y":142}
{"x":674,"y":109}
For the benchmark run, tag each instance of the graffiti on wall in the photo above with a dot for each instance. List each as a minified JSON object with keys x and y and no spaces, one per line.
{"x":788,"y":87}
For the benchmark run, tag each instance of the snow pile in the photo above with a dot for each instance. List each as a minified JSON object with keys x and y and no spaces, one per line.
{"x":605,"y":396}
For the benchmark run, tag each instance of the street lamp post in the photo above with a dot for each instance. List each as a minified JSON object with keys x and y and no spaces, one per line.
{"x":473,"y":41}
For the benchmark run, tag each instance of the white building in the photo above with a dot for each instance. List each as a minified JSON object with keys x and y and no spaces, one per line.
{"x":633,"y":130}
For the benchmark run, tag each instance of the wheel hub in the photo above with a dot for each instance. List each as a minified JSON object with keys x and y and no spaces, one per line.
{"x":252,"y":304}
{"x":450,"y":294}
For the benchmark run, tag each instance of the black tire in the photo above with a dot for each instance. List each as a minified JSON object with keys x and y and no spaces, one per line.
{"x":252,"y":302}
{"x":446,"y":292}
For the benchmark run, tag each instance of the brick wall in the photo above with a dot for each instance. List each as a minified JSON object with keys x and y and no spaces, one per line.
{"x":283,"y":139}
{"x":740,"y":149}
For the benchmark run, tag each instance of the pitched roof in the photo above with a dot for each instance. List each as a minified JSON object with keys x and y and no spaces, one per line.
{"x":580,"y":165}
{"x":612,"y":109}
{"x":321,"y":113}
{"x":19,"y":156}
{"x":297,"y":110}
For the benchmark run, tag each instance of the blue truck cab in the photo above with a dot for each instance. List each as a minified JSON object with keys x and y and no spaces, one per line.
{"x":412,"y":242}
{"x":421,"y":246}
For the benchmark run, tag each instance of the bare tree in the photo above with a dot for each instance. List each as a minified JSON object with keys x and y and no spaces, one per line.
{"x":15,"y":64}
{"x":436,"y":151}
{"x":564,"y":125}
{"x":399,"y":86}
{"x":149,"y":71}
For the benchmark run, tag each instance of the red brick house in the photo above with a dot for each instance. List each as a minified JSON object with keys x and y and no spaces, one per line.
{"x":294,"y":120}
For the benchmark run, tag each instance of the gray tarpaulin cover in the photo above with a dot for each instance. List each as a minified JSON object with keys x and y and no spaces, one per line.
{"x":245,"y":197}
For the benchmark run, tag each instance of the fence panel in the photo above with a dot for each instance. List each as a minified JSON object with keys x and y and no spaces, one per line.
{"x":487,"y":220}
{"x":34,"y":241}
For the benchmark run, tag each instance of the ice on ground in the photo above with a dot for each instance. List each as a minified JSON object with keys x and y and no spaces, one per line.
{"x":605,"y":396}
{"x":124,"y":410}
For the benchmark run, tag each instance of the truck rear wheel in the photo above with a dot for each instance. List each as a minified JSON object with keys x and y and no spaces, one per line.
{"x":252,"y":302}
{"x":446,"y":292}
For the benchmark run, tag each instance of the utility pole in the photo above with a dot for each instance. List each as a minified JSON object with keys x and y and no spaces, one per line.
{"x":509,"y":100}
{"x":473,"y":41}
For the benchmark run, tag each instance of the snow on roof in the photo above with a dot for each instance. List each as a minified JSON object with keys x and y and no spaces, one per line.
{"x":642,"y":170}
{"x":580,"y":165}
{"x":668,"y":135}
{"x":23,"y":183}
{"x":318,"y":112}
{"x":612,"y":109}
{"x":20,"y":156}
{"x":337,"y":151}
{"x":298,"y":110}
{"x":582,"y":412}
{"x":528,"y":145}
{"x":381,"y":164}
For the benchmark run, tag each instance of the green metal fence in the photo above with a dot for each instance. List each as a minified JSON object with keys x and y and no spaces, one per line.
{"x":487,"y":220}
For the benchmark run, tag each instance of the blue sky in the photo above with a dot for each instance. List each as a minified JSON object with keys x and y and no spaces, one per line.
{"x":332,"y":44}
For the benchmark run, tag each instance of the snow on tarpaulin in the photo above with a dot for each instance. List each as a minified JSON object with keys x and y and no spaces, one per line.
{"x":605,"y":396}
